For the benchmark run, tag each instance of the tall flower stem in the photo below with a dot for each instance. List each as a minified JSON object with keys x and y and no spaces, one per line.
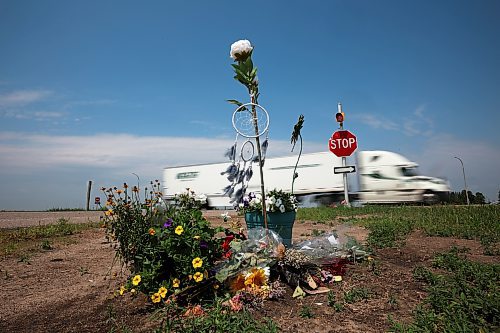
{"x":259,"y":152}
{"x":295,"y":175}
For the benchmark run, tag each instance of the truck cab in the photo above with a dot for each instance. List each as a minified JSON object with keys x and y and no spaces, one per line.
{"x":387,"y":177}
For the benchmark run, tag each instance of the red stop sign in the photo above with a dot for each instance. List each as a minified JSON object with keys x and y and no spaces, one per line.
{"x":343,"y":143}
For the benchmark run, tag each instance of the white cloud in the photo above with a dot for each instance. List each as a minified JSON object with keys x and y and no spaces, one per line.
{"x":23,"y":97}
{"x":53,"y":164}
{"x":481,"y":163}
{"x":377,"y":122}
{"x":416,"y":124}
{"x":31,"y":151}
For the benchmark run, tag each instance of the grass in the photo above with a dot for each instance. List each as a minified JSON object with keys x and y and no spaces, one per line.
{"x":464,"y":296}
{"x":389,"y":225}
{"x":15,"y":240}
{"x":216,"y":319}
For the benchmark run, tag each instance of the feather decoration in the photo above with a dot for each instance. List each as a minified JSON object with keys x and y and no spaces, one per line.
{"x":229,"y":191}
{"x":264,"y":146}
{"x":240,"y":177}
{"x":234,"y":173}
{"x":231,"y":152}
{"x":230,"y":169}
{"x":226,"y":189}
{"x":249,"y":173}
{"x":237,"y":195}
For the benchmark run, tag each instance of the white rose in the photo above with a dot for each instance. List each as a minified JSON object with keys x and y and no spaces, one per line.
{"x":240,"y":50}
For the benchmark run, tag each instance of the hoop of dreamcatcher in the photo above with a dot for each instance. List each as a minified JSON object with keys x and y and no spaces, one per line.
{"x":250,"y":120}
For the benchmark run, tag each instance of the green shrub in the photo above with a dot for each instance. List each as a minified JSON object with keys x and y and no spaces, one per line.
{"x":170,"y":249}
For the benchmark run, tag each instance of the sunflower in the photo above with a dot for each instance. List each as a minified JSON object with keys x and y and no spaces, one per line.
{"x":256,"y":278}
{"x":238,"y":283}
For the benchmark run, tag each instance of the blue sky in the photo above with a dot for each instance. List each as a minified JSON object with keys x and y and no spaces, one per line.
{"x":98,"y":90}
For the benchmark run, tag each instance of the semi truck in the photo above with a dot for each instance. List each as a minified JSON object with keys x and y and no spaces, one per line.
{"x":382,"y":177}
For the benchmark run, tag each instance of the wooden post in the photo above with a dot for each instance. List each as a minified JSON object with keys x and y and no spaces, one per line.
{"x":89,"y":189}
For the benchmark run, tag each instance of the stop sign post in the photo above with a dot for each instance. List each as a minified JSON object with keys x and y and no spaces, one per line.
{"x":343,"y":143}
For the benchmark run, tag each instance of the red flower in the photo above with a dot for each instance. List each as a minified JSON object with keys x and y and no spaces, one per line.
{"x":226,"y":246}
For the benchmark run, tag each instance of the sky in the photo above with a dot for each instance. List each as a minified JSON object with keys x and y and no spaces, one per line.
{"x":111,"y":91}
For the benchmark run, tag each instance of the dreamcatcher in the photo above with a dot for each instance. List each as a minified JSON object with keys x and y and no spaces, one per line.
{"x":251,"y":121}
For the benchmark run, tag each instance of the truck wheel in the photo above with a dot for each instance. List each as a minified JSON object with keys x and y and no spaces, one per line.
{"x":430,"y":198}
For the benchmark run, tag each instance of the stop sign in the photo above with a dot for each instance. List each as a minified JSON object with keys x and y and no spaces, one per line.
{"x":343,"y":143}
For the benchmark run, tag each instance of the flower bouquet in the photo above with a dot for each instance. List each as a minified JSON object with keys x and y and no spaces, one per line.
{"x":281,"y":208}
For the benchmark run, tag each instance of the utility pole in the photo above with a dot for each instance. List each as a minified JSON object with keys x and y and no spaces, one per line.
{"x":465,"y":182}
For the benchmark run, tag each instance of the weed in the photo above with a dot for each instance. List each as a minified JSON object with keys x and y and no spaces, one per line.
{"x":25,"y":258}
{"x":316,"y":232}
{"x":45,"y":245}
{"x":83,"y":270}
{"x":216,"y":319}
{"x":356,"y":294}
{"x":465,"y":299}
{"x":15,"y":240}
{"x":337,"y":306}
{"x":306,"y":312}
{"x":393,"y":301}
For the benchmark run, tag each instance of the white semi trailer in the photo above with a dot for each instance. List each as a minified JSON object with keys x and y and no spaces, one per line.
{"x":384,"y":177}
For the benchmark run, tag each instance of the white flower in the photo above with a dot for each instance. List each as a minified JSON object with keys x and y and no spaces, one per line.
{"x":279,"y":202}
{"x":282,"y":208}
{"x":202,"y":198}
{"x":240,"y":50}
{"x":225,"y":216}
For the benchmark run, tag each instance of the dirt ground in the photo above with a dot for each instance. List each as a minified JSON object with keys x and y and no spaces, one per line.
{"x":71,"y":287}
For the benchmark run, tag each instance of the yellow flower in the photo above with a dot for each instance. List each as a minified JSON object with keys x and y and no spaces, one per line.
{"x":152,"y":231}
{"x":109,"y":212}
{"x":163,"y":292}
{"x":197,"y":262}
{"x":133,"y":291}
{"x":136,"y":280}
{"x":122,"y":290}
{"x":176,"y":283}
{"x":156,"y":297}
{"x":179,"y":230}
{"x":196,"y":237}
{"x":256,"y":278}
{"x":198,"y":276}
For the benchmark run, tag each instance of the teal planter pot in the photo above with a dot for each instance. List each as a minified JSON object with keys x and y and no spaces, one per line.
{"x":281,"y":223}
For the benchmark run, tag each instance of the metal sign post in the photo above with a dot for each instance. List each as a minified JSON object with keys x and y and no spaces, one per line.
{"x":343,"y":143}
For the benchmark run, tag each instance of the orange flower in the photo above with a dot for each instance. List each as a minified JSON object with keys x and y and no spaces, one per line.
{"x":152,"y":231}
{"x":238,"y":283}
{"x":256,"y":278}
